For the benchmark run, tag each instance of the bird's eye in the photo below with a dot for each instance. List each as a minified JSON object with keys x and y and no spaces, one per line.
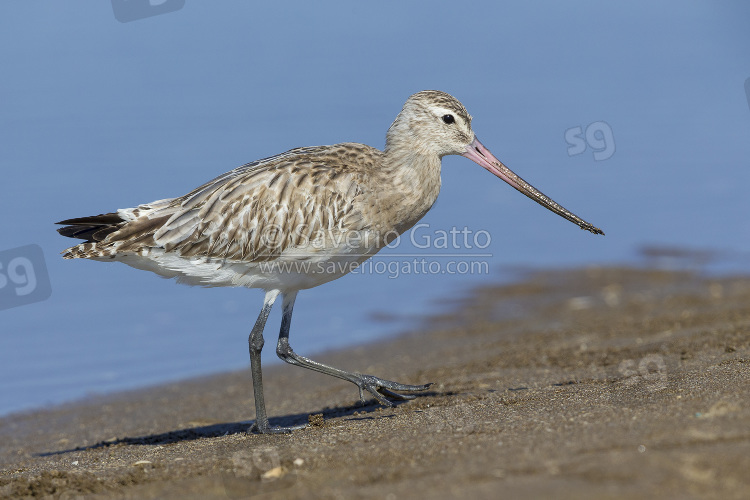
{"x":448,"y":119}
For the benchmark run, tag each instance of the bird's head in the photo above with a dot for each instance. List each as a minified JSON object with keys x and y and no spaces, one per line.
{"x":434,"y":123}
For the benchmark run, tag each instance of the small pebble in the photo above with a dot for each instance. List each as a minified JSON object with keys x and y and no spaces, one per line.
{"x":274,"y":473}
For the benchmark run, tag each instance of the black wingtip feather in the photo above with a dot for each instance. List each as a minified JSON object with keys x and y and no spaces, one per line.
{"x":91,"y":229}
{"x":94,"y":220}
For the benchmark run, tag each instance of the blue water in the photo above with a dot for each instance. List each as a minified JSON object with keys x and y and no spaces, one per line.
{"x":634,"y":116}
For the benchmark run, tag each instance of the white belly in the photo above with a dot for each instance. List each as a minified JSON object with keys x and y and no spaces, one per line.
{"x":295,"y":269}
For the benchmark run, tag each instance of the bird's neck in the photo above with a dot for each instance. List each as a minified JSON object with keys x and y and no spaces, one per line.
{"x":414,"y":175}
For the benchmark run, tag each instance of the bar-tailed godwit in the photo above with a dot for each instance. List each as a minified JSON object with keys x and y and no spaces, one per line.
{"x":300,"y":219}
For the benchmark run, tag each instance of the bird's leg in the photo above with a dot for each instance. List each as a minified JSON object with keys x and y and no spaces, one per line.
{"x":256,"y":346}
{"x":377,"y":387}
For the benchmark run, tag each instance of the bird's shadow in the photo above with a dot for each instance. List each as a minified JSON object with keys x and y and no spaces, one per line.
{"x":227,"y":429}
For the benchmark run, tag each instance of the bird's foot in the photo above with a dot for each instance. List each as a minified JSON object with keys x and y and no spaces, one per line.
{"x":380,"y":388}
{"x":265,"y":428}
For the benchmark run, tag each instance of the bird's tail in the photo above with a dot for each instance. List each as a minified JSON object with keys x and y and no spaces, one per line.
{"x":92,"y":230}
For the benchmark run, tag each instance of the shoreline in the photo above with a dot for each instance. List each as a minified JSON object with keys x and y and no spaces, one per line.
{"x":599,"y":382}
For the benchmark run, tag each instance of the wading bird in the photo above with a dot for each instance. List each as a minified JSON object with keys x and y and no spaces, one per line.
{"x":298,"y":220}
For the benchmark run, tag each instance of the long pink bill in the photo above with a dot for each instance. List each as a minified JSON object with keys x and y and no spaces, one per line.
{"x":476,"y":152}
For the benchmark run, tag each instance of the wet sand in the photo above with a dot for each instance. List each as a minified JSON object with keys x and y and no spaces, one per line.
{"x":594,"y":383}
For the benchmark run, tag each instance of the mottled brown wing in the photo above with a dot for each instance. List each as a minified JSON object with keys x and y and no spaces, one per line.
{"x":256,"y":212}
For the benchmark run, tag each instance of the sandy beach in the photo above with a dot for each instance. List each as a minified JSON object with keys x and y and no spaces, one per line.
{"x":589,"y":383}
